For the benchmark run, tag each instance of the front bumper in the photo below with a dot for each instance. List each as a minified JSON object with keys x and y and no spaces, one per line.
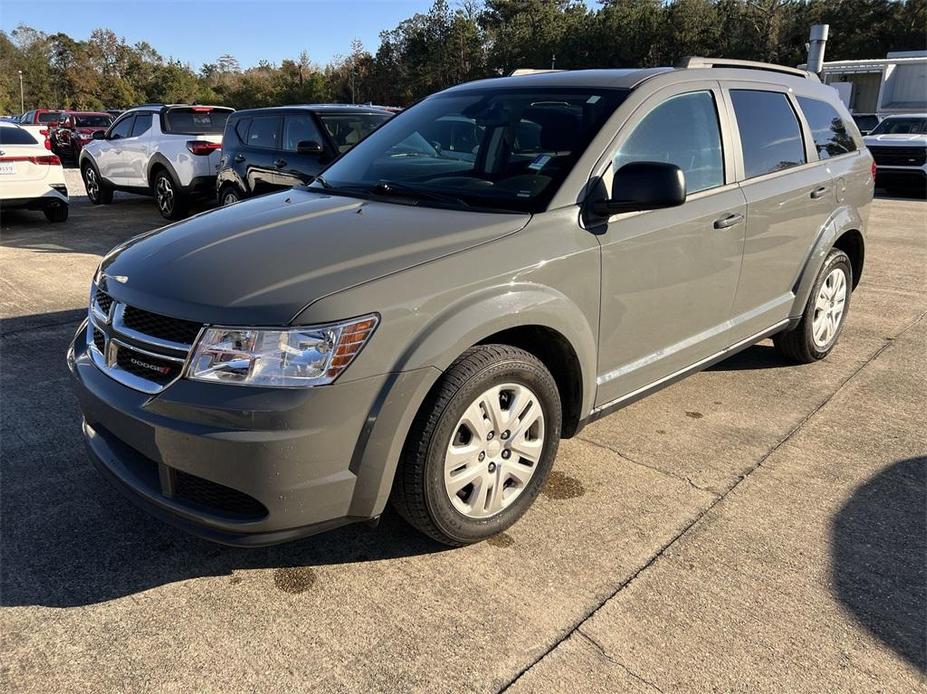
{"x":237,"y":465}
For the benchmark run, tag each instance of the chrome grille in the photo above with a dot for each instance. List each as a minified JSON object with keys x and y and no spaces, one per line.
{"x":142,"y":350}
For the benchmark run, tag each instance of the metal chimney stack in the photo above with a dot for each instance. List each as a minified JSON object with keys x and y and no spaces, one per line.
{"x":816,"y":43}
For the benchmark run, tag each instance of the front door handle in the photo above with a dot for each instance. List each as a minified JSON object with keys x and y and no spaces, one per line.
{"x":818,"y":192}
{"x":239,"y":158}
{"x":728,"y":221}
{"x":280,"y":163}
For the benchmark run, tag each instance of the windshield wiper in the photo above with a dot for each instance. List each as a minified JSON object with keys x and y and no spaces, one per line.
{"x":405,"y":191}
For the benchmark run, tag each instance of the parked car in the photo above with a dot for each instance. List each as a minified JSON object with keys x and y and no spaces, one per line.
{"x":899,"y":145}
{"x":76,"y":129}
{"x":426,"y":328}
{"x":39,"y":122}
{"x":170,"y":152}
{"x":267,"y":149}
{"x":30,"y":177}
{"x":866,"y":121}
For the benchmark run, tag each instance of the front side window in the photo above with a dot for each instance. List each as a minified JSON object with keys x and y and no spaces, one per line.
{"x":142,"y":124}
{"x":505,"y":149}
{"x":684,"y":131}
{"x":265,"y":132}
{"x":347,"y":129}
{"x":827,"y":128}
{"x":122,"y":128}
{"x":913,"y":125}
{"x":769,"y":131}
{"x":298,"y":129}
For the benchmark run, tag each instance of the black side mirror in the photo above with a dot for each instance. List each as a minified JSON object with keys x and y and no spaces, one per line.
{"x":99,"y":135}
{"x":309,"y":147}
{"x":644,"y":185}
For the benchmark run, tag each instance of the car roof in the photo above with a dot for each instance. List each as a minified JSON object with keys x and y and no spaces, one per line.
{"x":595,"y":78}
{"x":88,"y":113}
{"x":321,"y":108}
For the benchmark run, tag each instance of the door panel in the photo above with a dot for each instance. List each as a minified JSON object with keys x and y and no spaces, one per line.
{"x":669,"y":276}
{"x":135,"y":151}
{"x":111,"y":162}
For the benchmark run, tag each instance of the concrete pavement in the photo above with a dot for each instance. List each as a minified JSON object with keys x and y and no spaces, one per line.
{"x":759,"y":527}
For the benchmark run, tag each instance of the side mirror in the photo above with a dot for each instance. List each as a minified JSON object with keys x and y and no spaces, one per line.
{"x":99,"y":135}
{"x":309,"y":147}
{"x":644,"y":185}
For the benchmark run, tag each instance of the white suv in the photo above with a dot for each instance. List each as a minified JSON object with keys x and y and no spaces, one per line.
{"x":899,"y":146}
{"x":171,"y":152}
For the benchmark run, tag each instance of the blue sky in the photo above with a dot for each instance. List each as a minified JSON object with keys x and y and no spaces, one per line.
{"x":199,"y":31}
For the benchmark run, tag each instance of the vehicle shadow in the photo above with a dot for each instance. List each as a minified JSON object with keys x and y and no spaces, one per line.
{"x":68,"y":538}
{"x":879,"y":545}
{"x":761,"y":356}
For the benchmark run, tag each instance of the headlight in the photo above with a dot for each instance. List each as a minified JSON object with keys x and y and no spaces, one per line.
{"x":305,"y":356}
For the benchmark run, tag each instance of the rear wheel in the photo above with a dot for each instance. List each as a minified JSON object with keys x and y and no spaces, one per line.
{"x":172,"y":203}
{"x":825,"y":313}
{"x":97,"y":191}
{"x":481,"y":447}
{"x":56,"y":212}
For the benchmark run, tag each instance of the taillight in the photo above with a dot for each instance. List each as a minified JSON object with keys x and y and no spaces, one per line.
{"x":872,"y":169}
{"x":47,"y":143}
{"x":47,"y":160}
{"x":43,"y":131}
{"x":201,"y":147}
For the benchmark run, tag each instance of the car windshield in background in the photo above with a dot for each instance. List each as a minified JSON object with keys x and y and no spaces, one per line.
{"x":196,"y":120}
{"x":16,"y":136}
{"x":901,"y":126}
{"x":92,"y":121}
{"x":50,"y":116}
{"x":347,"y":129}
{"x":506,"y":149}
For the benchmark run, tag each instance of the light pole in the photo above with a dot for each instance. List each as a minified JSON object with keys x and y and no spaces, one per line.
{"x":22,"y":103}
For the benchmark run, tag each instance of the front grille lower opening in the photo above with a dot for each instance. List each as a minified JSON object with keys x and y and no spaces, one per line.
{"x":216,"y":497}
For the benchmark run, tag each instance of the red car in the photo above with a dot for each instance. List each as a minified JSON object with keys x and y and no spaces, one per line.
{"x":76,"y":129}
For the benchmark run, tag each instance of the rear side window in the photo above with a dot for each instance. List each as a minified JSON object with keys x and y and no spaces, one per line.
{"x":769,"y":131}
{"x":298,"y":129}
{"x":16,"y":136}
{"x":827,"y":128}
{"x":142,"y":124}
{"x":195,"y":120}
{"x":684,"y":131}
{"x":265,"y":132}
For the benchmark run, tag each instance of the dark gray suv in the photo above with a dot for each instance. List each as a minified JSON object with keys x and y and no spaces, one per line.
{"x":483,"y":275}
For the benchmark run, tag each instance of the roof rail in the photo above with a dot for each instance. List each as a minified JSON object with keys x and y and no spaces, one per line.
{"x":531,"y":71}
{"x":699,"y":62}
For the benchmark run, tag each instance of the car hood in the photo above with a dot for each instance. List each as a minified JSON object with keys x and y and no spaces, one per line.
{"x":261,"y":261}
{"x":906,"y":139}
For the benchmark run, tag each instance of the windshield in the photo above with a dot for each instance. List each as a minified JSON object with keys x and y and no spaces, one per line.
{"x":195,"y":120}
{"x":506,"y":149}
{"x":92,"y":121}
{"x":49,"y":117}
{"x":347,"y":129}
{"x":901,"y":126}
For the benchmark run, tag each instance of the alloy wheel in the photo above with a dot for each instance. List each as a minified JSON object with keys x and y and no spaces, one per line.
{"x":494,"y":450}
{"x":829,"y":308}
{"x":165,"y":194}
{"x":91,"y":183}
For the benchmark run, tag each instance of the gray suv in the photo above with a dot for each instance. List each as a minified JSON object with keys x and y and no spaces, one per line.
{"x":483,"y":275}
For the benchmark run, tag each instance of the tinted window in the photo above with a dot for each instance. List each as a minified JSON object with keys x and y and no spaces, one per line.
{"x":196,"y":120}
{"x":142,"y":124}
{"x":94,"y":121}
{"x":828,"y":130}
{"x":349,"y":129}
{"x":684,"y":131}
{"x":496,"y":174}
{"x":50,"y":116}
{"x":298,"y":129}
{"x":122,"y":128}
{"x":16,"y":136}
{"x":769,"y":131}
{"x":866,"y":123}
{"x":901,"y":126}
{"x":265,"y":132}
{"x":241,"y":129}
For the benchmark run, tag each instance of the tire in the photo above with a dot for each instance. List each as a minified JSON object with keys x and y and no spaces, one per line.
{"x":97,"y":191}
{"x":458,"y":512}
{"x":172,"y":203}
{"x":229,"y":195}
{"x":810,"y":341}
{"x":57,"y":212}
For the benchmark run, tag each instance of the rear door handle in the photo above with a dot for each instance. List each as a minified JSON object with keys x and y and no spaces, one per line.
{"x":280,"y":163}
{"x":818,"y":192}
{"x":728,"y":221}
{"x":239,"y":158}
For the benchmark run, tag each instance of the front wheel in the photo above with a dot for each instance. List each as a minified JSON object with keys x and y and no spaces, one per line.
{"x":481,"y":447}
{"x":172,"y":203}
{"x":97,"y":191}
{"x":825,"y":313}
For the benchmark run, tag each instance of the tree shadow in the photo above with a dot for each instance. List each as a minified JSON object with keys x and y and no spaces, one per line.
{"x":68,"y":538}
{"x":879,"y":541}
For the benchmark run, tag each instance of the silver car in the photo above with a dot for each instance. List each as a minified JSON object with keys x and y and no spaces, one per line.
{"x":426,"y":320}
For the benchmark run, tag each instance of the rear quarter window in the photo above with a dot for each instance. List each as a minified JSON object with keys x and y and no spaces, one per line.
{"x":16,"y":136}
{"x":828,"y":128}
{"x":195,"y":120}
